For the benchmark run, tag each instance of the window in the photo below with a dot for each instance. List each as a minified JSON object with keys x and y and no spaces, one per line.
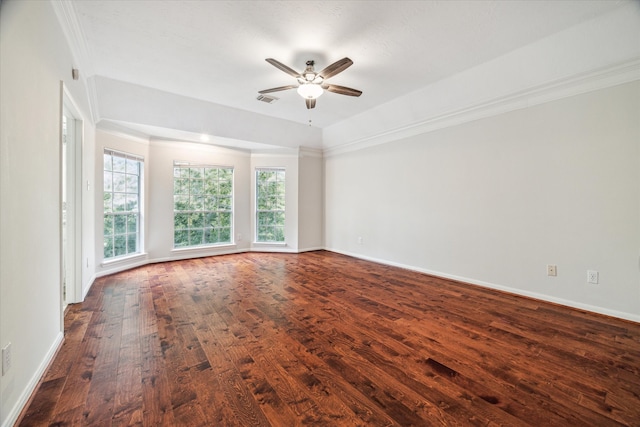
{"x":270,"y":205}
{"x":202,"y":205}
{"x":121,"y":194}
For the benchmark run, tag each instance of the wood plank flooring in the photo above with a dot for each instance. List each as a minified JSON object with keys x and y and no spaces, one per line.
{"x":322,"y":339}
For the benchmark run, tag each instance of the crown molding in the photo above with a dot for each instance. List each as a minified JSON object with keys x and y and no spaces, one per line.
{"x":72,"y":30}
{"x":618,"y":74}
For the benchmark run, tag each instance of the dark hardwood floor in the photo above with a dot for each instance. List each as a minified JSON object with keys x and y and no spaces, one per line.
{"x":327,"y":340}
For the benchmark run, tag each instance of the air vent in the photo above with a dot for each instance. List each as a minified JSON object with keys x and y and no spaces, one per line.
{"x":266,"y":98}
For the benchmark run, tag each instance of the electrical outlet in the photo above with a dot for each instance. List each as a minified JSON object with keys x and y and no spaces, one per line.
{"x":592,"y":276}
{"x":552,"y":270}
{"x":360,"y":240}
{"x":239,"y":237}
{"x":6,"y":358}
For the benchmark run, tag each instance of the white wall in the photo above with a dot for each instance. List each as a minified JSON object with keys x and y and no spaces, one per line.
{"x":495,"y":200}
{"x":310,"y":201}
{"x":34,"y":59}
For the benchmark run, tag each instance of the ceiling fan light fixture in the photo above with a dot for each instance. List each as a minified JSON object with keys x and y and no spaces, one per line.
{"x":310,"y":90}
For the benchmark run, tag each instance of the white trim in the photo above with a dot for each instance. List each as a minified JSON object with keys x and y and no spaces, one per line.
{"x":208,"y":147}
{"x":318,"y":248}
{"x":310,"y":152}
{"x":124,"y":259}
{"x":278,"y":152}
{"x":274,"y":249}
{"x":551,"y":91}
{"x":85,"y":292}
{"x":100,"y":126}
{"x":202,"y":248}
{"x":24,"y":397}
{"x":542,"y":297}
{"x":72,"y":29}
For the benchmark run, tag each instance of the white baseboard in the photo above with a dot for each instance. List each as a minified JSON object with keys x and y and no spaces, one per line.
{"x":22,"y":401}
{"x":542,"y":297}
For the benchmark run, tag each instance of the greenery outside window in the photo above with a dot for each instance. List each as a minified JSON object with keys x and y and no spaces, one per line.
{"x":202,"y":205}
{"x":121,"y":194}
{"x":270,"y":205}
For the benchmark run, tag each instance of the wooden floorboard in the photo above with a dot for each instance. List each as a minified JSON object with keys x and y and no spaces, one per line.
{"x":322,"y":339}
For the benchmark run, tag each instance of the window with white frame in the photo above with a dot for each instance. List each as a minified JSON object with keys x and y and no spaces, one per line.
{"x":270,"y":204}
{"x":202,"y":205}
{"x":121,"y":194}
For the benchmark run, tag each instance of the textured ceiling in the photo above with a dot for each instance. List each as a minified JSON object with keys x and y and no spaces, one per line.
{"x":215,"y":50}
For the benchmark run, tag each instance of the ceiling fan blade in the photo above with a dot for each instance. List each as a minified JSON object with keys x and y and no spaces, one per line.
{"x":342,"y":90}
{"x":279,"y":65}
{"x":336,"y":68}
{"x":277,"y":89}
{"x":311,"y":103}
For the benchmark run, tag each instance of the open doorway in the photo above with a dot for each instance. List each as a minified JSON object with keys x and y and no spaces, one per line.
{"x":71,"y":139}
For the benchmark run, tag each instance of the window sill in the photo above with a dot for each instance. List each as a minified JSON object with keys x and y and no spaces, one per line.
{"x":124,"y":259}
{"x":203,"y":248}
{"x":269,"y":243}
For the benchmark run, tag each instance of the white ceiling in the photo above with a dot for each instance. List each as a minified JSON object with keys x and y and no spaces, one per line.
{"x":215,"y":51}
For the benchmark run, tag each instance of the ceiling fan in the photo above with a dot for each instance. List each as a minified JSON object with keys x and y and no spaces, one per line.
{"x":312,"y":84}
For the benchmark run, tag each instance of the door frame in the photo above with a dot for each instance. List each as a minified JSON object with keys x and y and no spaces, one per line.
{"x":71,"y":258}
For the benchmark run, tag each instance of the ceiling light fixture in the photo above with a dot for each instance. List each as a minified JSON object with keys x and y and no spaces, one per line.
{"x":312,"y":84}
{"x":310,"y":90}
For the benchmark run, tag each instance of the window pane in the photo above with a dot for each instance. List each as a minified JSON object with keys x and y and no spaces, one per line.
{"x":181,"y":186}
{"x":211,"y":235}
{"x":119,"y":202}
{"x":225,"y":235}
{"x":181,"y":238}
{"x":210,"y":203}
{"x":197,"y":186}
{"x":197,"y":203}
{"x":108,"y":202}
{"x":181,"y":172}
{"x":118,"y":164}
{"x":195,"y":173}
{"x":108,"y":247}
{"x":121,"y":194}
{"x":211,"y":219}
{"x":224,"y":203}
{"x":278,"y":233}
{"x":132,"y":243}
{"x":270,"y":202}
{"x":120,"y":245}
{"x":181,"y":203}
{"x":132,"y":203}
{"x":119,"y":182}
{"x":205,"y":195}
{"x":278,"y":218}
{"x":224,"y":219}
{"x":108,"y":227}
{"x":225,"y":188}
{"x":196,"y":220}
{"x":132,"y":167}
{"x":196,"y":236}
{"x":120,"y":224}
{"x":181,"y":221}
{"x":211,"y":174}
{"x":107,"y":181}
{"x":132,"y":184}
{"x":226,"y":175}
{"x":132,"y":223}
